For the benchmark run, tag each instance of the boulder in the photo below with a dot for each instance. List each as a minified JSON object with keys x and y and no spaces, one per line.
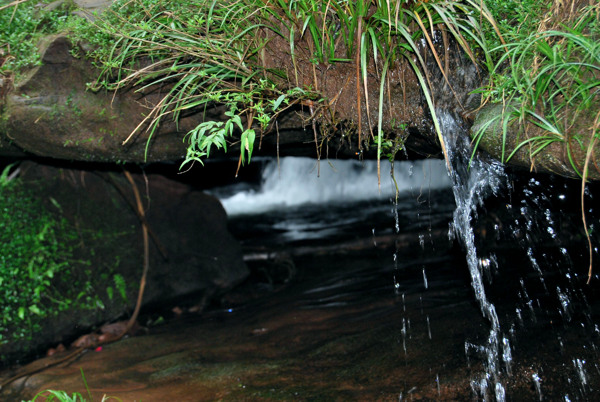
{"x":193,"y":257}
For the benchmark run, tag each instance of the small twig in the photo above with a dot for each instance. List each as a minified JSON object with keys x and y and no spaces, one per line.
{"x":13,"y":4}
{"x":357,"y":62}
{"x":590,"y":151}
{"x":141,"y":217}
{"x":140,"y":209}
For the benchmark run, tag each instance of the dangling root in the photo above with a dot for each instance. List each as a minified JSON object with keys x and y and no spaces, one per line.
{"x":583,"y":182}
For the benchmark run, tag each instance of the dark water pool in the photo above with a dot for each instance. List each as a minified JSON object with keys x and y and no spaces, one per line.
{"x":365,"y":301}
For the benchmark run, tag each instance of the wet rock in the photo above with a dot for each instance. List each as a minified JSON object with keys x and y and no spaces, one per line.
{"x":51,"y":113}
{"x":192,"y":254}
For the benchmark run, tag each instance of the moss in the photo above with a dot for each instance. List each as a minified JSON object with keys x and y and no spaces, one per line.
{"x":49,"y":266}
{"x":21,"y":27}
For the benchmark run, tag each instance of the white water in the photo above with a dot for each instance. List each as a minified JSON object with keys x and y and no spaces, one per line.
{"x":473,"y":181}
{"x":295,"y":182}
{"x":298,"y":181}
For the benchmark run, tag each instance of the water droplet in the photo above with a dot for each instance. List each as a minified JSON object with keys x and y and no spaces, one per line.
{"x":579,"y":367}
{"x":565,"y":304}
{"x":537,"y":382}
{"x":428,"y":327}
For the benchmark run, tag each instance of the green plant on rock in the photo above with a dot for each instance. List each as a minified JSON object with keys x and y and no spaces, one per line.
{"x":40,"y":273}
{"x":22,"y":24}
{"x":33,"y":253}
{"x":550,"y":79}
{"x":212,"y":54}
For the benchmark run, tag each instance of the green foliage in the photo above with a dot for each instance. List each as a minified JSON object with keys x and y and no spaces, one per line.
{"x":515,"y":19}
{"x":58,"y":396}
{"x":21,"y":26}
{"x":120,"y":285}
{"x":63,"y":396}
{"x":211,"y":55}
{"x":40,"y":276}
{"x":34,"y":250}
{"x":213,"y":133}
{"x":201,"y":51}
{"x":550,"y":78}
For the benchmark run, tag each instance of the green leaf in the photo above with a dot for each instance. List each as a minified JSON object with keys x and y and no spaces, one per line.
{"x":35,"y":309}
{"x":278,"y":101}
{"x":247,"y":142}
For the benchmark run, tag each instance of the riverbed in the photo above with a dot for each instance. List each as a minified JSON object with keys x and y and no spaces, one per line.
{"x":367,"y":299}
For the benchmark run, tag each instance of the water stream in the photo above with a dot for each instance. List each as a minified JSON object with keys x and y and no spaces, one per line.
{"x":531,"y":231}
{"x":473,"y":181}
{"x":358,"y":295}
{"x":531,"y":224}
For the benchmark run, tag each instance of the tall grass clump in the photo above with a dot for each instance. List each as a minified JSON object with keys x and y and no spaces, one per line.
{"x":550,"y":79}
{"x":212,"y":53}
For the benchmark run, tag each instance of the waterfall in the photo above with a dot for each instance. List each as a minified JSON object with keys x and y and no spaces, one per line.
{"x":537,"y":296}
{"x":532,"y":223}
{"x":295,"y":181}
{"x":473,"y":181}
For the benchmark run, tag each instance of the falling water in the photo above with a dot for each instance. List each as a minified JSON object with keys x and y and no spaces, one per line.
{"x":533,"y":220}
{"x":473,"y":181}
{"x":293,"y":181}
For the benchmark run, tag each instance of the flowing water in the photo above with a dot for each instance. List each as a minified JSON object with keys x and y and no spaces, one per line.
{"x":526,"y":225}
{"x":474,"y":180}
{"x":466,"y":286}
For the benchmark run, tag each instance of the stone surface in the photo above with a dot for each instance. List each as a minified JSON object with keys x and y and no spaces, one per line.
{"x":50,"y":113}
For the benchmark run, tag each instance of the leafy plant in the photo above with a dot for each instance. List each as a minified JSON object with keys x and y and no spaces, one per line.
{"x":40,"y":276}
{"x":32,"y":253}
{"x":22,"y":24}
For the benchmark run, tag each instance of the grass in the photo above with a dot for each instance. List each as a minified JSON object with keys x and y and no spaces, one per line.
{"x":63,"y":396}
{"x":208,"y":55}
{"x":550,"y":79}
